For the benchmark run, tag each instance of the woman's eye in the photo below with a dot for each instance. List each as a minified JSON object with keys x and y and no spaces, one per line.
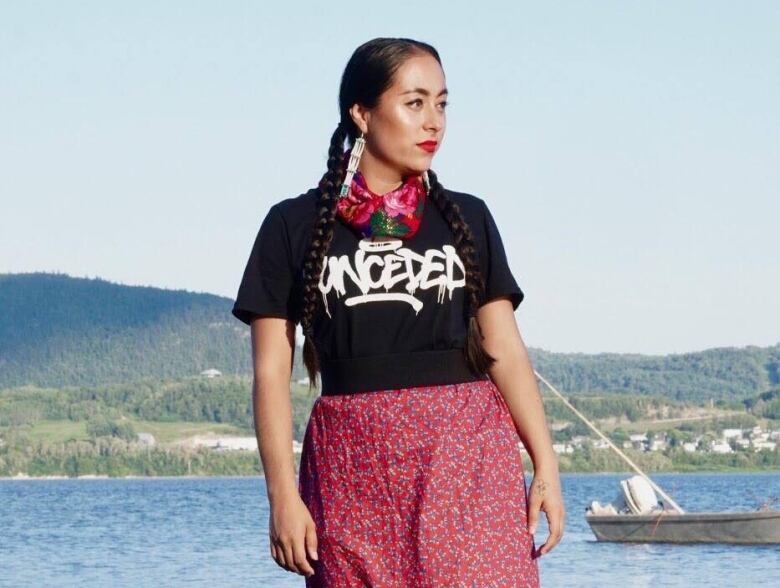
{"x":419,"y":102}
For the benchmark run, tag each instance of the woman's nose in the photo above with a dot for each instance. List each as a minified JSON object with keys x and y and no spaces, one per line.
{"x":434,"y":120}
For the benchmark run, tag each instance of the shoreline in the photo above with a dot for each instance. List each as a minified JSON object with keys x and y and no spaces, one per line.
{"x":528,"y":474}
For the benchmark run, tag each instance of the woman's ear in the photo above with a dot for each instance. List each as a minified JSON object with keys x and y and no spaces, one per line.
{"x":360,"y":117}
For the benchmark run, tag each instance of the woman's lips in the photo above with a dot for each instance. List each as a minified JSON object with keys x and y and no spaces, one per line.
{"x":429,"y":146}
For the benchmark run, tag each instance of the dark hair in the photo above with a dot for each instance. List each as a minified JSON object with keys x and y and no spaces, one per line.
{"x":367,"y":75}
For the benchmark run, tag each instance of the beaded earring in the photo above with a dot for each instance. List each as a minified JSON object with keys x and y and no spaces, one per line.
{"x":354,"y":159}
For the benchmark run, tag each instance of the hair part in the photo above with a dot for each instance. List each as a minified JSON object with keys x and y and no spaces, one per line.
{"x":367,"y":75}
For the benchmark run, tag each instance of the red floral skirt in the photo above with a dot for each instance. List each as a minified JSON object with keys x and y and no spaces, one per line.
{"x":419,"y":486}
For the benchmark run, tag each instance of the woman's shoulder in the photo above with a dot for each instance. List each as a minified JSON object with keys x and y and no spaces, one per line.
{"x":292,"y":218}
{"x":472,"y":207}
{"x":295,"y":207}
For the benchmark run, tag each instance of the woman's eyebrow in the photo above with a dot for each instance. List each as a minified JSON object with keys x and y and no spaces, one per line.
{"x":424,"y":92}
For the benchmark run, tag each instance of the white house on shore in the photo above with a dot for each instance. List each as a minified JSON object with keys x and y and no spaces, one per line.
{"x":759,"y":445}
{"x":234,"y":443}
{"x":721,"y":447}
{"x":563,"y":448}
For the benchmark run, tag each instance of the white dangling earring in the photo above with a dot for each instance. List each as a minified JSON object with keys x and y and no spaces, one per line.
{"x":426,"y":181}
{"x":354,"y":159}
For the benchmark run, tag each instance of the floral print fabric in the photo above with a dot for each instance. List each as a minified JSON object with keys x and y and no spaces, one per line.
{"x":420,"y":486}
{"x":396,"y":213}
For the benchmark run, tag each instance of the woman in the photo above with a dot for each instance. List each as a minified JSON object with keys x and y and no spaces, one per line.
{"x":410,"y":473}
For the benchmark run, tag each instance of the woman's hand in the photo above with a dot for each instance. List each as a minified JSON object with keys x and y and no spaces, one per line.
{"x":293,"y":534}
{"x":545,"y":494}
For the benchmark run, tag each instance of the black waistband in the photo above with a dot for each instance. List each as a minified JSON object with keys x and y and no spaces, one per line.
{"x":396,"y":370}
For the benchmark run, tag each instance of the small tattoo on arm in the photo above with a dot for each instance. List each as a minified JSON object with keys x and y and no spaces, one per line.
{"x":540,"y":486}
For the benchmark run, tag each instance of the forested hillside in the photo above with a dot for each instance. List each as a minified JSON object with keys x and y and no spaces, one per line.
{"x":57,"y":330}
{"x":722,"y":373}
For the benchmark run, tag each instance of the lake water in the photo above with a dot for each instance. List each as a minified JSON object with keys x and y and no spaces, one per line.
{"x":214,"y":532}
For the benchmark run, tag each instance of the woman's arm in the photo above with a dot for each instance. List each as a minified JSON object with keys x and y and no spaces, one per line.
{"x":513,"y":375}
{"x":291,"y":527}
{"x":273,"y":341}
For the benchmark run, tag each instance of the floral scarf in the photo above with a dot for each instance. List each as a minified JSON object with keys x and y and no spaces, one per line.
{"x":397,"y":213}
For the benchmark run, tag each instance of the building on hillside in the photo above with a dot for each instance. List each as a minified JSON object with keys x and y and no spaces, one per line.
{"x":211,"y":373}
{"x":770,"y":445}
{"x":559,"y":425}
{"x":657,"y":444}
{"x":731,"y":433}
{"x":720,"y":447}
{"x":235,"y":443}
{"x":146,"y":439}
{"x":638,"y":440}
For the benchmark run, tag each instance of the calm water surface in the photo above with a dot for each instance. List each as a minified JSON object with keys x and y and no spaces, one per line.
{"x":214,"y":532}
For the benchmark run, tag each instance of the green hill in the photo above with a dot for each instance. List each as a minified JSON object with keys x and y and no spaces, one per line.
{"x":94,"y":430}
{"x":726,"y":373}
{"x":57,"y":330}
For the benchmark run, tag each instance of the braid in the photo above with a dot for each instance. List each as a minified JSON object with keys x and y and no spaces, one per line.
{"x":322,"y":235}
{"x":478,"y":358}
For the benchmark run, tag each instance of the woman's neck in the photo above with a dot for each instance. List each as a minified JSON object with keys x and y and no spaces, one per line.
{"x":380,"y":178}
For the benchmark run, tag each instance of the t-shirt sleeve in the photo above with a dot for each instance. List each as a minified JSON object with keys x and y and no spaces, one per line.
{"x":499,"y":280}
{"x":267,"y":284}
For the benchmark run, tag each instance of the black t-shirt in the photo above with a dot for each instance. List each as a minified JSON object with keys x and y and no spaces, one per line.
{"x":383,"y":299}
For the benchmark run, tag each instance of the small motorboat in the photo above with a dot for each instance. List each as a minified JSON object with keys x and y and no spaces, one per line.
{"x":640,"y":517}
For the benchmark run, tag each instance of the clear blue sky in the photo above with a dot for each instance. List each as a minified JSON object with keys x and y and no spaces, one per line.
{"x":629,"y":151}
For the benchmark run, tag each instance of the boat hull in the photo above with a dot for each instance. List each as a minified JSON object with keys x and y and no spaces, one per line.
{"x":750,"y":528}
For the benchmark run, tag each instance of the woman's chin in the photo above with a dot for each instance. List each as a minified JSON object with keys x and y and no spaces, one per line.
{"x":419,"y":167}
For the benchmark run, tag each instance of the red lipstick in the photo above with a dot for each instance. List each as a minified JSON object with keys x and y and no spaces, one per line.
{"x":429,"y":146}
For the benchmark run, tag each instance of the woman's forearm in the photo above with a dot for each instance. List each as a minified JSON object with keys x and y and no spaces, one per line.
{"x":273,"y":428}
{"x":513,"y":375}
